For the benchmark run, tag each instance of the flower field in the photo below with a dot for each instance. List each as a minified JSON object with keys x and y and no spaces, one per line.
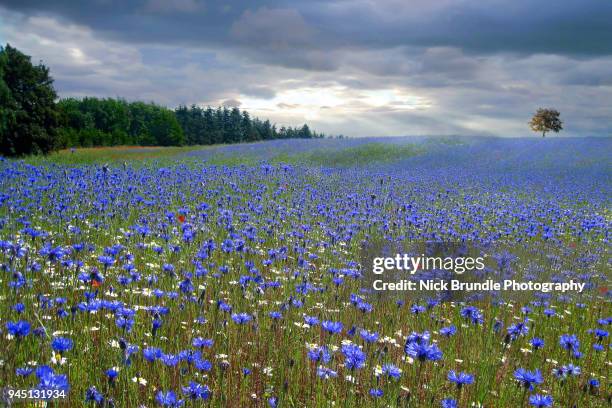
{"x":231,"y":276}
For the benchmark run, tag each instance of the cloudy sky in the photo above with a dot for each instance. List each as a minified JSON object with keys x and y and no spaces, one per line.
{"x":361,"y":68}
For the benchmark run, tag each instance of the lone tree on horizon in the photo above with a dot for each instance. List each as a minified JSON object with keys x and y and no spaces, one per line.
{"x":546,"y":120}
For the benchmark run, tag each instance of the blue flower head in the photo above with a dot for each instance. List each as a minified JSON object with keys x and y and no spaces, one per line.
{"x":448,"y":331}
{"x":569,"y":342}
{"x":449,"y":403}
{"x":92,"y":394}
{"x":460,"y":379}
{"x":332,"y":327}
{"x":368,"y":337}
{"x":423,"y":351}
{"x":241,"y":318}
{"x":537,"y":343}
{"x":528,"y":378}
{"x":168,"y":399}
{"x":538,"y":400}
{"x":391,"y":371}
{"x":61,"y":344}
{"x":18,"y":329}
{"x":195,"y":391}
{"x":354,"y":357}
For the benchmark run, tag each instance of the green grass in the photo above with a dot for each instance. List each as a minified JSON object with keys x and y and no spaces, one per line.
{"x":352,"y":156}
{"x":110,"y":155}
{"x":376,"y":152}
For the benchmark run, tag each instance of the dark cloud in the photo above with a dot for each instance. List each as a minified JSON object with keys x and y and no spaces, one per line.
{"x":576,"y":27}
{"x":272,"y":29}
{"x":358,"y":67}
{"x":258,"y":91}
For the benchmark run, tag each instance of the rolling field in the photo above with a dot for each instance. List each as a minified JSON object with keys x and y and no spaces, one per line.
{"x":231,"y":276}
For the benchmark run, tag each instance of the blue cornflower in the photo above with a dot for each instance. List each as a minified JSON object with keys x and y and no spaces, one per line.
{"x":61,"y":344}
{"x":18,"y":329}
{"x":376,"y":392}
{"x":196,"y":391}
{"x":24,"y":371}
{"x":273,"y":402}
{"x":48,"y":380}
{"x":332,"y":327}
{"x":326,"y":373}
{"x":202,"y":365}
{"x":559,"y":372}
{"x":151,"y":353}
{"x":460,"y":379}
{"x":186,"y":286}
{"x":241,"y":318}
{"x":528,"y":378}
{"x":449,"y":403}
{"x":364,"y":307}
{"x":448,"y":331}
{"x":571,"y":370}
{"x":227,"y":245}
{"x":106,"y":261}
{"x":354,"y":358}
{"x":416,"y":309}
{"x":368,"y":337}
{"x":319,"y":353}
{"x":593,"y":383}
{"x":605,"y":321}
{"x":201,"y":342}
{"x":538,"y":400}
{"x":168,"y":399}
{"x":518,"y":329}
{"x":92,"y":394}
{"x":311,"y":320}
{"x":600,"y":334}
{"x":472,"y":313}
{"x":497,"y":326}
{"x":170,"y":360}
{"x":19,"y":307}
{"x":391,"y":371}
{"x":276,"y":315}
{"x":157,"y":323}
{"x":124,"y":323}
{"x":536,"y":343}
{"x":53,"y":254}
{"x":416,"y":337}
{"x":569,"y":342}
{"x":423,"y":351}
{"x":111,"y":373}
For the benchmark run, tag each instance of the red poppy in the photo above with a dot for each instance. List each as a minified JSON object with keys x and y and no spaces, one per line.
{"x":181,"y":218}
{"x":95,"y":283}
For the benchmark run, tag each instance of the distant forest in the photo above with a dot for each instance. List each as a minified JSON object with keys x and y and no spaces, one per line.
{"x":33,"y":121}
{"x":108,"y":122}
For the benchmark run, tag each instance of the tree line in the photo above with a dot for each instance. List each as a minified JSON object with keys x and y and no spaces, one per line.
{"x":109,"y":122}
{"x":32,"y":120}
